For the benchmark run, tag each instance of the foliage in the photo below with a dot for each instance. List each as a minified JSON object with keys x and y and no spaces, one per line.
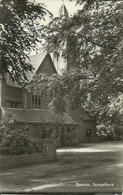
{"x":20,"y":22}
{"x":114,"y":116}
{"x":58,"y":86}
{"x":113,"y":119}
{"x":15,"y":141}
{"x":91,"y":43}
{"x":67,"y":138}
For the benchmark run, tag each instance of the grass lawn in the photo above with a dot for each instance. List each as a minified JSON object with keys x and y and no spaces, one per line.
{"x":85,"y":168}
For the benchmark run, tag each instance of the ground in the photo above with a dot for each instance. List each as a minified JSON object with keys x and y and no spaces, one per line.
{"x":85,"y":168}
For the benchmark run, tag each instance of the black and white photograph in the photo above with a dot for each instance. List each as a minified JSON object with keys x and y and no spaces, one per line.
{"x":61,"y":97}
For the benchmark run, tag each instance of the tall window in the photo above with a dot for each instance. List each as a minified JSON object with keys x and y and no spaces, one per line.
{"x":36,"y":101}
{"x":13,"y":97}
{"x":88,"y":132}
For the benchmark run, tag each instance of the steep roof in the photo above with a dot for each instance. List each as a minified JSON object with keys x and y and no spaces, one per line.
{"x":33,"y":116}
{"x":37,"y":61}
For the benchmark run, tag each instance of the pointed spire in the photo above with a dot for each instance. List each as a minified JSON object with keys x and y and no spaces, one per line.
{"x":63,"y":11}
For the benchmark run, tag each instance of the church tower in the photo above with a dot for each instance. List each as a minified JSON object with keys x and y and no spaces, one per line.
{"x":57,"y":56}
{"x":63,"y":11}
{"x":71,"y":40}
{"x":87,"y":123}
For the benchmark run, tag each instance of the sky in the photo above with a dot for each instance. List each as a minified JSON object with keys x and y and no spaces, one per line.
{"x":53,"y":6}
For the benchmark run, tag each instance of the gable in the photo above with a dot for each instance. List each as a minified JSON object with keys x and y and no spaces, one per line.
{"x":47,"y":66}
{"x":42,"y":63}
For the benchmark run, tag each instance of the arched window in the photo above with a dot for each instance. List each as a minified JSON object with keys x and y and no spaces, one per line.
{"x":73,"y":129}
{"x":57,"y":131}
{"x":62,"y":136}
{"x":50,"y":133}
{"x":43,"y":133}
{"x":88,"y":132}
{"x":68,"y":129}
{"x":62,"y":129}
{"x":39,"y":101}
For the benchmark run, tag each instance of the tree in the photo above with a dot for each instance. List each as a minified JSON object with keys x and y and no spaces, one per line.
{"x":20,"y":22}
{"x":94,"y":37}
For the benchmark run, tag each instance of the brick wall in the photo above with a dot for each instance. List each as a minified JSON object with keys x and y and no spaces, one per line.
{"x":85,"y":122}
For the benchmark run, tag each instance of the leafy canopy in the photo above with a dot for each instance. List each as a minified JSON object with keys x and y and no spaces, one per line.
{"x":91,"y":43}
{"x":20,"y":22}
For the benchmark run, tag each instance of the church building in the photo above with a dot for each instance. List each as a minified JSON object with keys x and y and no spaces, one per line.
{"x":25,"y":110}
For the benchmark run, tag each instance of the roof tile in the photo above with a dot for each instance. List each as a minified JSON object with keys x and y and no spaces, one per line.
{"x":34,"y":115}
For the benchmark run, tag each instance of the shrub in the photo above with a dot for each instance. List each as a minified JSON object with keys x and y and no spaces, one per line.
{"x":18,"y":142}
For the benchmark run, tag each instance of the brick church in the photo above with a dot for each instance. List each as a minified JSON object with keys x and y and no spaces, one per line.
{"x":25,"y":110}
